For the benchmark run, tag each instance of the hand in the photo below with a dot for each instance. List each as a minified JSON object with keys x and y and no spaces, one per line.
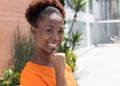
{"x":58,"y":60}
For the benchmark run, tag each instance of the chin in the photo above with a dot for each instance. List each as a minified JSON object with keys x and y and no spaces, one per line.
{"x":51,"y":50}
{"x":48,"y":51}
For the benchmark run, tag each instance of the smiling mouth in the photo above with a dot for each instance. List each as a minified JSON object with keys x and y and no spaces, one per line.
{"x":53,"y":45}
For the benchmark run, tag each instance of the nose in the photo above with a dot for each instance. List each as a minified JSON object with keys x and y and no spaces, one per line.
{"x":56,"y":37}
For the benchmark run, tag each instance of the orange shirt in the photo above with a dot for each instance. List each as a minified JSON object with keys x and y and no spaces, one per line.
{"x":38,"y":75}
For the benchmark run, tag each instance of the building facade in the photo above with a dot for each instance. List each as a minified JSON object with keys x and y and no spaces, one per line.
{"x":11,"y":18}
{"x":98,"y":22}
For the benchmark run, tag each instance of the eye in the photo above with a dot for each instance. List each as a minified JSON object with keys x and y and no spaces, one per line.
{"x":49,"y":30}
{"x":61,"y":31}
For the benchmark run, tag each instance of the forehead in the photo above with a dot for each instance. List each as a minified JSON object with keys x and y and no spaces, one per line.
{"x":54,"y":19}
{"x":55,"y":16}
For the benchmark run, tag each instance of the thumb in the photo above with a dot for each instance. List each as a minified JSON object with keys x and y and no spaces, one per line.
{"x":53,"y":52}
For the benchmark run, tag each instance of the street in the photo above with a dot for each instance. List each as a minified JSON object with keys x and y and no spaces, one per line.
{"x":99,"y":66}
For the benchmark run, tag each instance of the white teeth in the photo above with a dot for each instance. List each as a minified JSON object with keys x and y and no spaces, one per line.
{"x":54,"y":45}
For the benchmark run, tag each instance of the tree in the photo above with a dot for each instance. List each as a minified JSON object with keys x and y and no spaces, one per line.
{"x":76,"y":5}
{"x":71,"y":39}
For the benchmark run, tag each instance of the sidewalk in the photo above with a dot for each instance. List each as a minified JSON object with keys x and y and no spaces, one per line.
{"x":99,"y":66}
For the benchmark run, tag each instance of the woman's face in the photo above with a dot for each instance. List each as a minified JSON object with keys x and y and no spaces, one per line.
{"x":49,"y":33}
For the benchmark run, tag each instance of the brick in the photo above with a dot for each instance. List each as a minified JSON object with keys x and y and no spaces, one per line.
{"x":11,"y":16}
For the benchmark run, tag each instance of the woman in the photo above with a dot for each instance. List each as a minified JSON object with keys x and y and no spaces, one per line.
{"x":47,"y":66}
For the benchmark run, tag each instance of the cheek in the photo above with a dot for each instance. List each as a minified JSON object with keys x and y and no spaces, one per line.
{"x":38,"y":41}
{"x":62,"y":38}
{"x":41,"y":39}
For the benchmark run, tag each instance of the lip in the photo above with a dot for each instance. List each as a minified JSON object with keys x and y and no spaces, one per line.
{"x":53,"y":45}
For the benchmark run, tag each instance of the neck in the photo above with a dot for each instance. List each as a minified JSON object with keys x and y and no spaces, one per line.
{"x":41,"y":57}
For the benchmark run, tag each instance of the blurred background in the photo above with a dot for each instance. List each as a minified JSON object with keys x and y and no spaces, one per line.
{"x":97,"y":47}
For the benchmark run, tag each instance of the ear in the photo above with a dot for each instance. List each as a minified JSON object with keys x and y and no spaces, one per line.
{"x":33,"y":31}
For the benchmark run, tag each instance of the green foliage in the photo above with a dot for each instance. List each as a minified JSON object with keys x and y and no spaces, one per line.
{"x":68,"y":47}
{"x":23,"y":52}
{"x":71,"y":39}
{"x":10,"y":78}
{"x":76,"y":5}
{"x":71,"y":59}
{"x":76,"y":37}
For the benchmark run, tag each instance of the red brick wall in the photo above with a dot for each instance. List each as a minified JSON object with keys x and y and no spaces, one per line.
{"x":11,"y":17}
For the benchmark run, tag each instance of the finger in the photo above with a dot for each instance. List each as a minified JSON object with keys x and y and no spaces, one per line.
{"x":54,"y":51}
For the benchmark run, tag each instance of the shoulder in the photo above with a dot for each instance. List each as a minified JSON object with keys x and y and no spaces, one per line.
{"x":31,"y":78}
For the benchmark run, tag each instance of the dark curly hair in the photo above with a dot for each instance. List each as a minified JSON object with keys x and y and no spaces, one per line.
{"x":38,"y":8}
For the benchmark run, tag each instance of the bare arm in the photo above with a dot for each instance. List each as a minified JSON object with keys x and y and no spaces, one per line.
{"x":58,"y":61}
